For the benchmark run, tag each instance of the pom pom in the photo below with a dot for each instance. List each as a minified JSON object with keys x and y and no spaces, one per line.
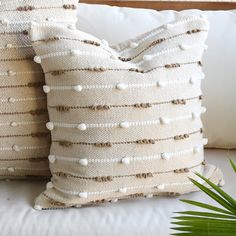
{"x":11,"y":73}
{"x":78,"y":88}
{"x":125,"y":160}
{"x":46,"y":89}
{"x":16,"y":148}
{"x":9,"y":45}
{"x":50,"y":125}
{"x":203,"y":109}
{"x":149,"y":195}
{"x":82,"y":126}
{"x":38,"y":207}
{"x":164,"y":121}
{"x":49,"y":185}
{"x":10,"y":169}
{"x":183,"y":46}
{"x":123,"y":190}
{"x":104,"y":43}
{"x":121,"y":86}
{"x":165,"y":156}
{"x":221,"y":183}
{"x":13,"y":124}
{"x":83,"y":195}
{"x":52,"y":158}
{"x":167,"y":26}
{"x":11,"y":100}
{"x":196,"y":149}
{"x":83,"y":162}
{"x":160,"y":186}
{"x":38,"y":59}
{"x":161,"y":84}
{"x":124,"y":124}
{"x":205,"y":141}
{"x":147,"y":57}
{"x":133,"y":44}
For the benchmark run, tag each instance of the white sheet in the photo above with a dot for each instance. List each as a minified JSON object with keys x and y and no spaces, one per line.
{"x":147,"y":217}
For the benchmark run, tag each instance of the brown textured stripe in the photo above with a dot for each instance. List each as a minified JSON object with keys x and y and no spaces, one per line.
{"x":66,"y":143}
{"x":33,"y":135}
{"x":30,"y":159}
{"x":182,"y":101}
{"x":37,"y":112}
{"x":32,"y":8}
{"x":24,"y":32}
{"x":110,"y":178}
{"x":101,"y":69}
{"x":17,"y":59}
{"x":29,"y":85}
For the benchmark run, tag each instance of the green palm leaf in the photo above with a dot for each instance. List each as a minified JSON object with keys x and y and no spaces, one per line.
{"x":218,"y":222}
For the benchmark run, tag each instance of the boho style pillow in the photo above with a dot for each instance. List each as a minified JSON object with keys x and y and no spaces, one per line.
{"x":25,"y":141}
{"x":125,"y":121}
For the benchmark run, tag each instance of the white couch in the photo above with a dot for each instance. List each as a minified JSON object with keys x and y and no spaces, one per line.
{"x":147,"y":217}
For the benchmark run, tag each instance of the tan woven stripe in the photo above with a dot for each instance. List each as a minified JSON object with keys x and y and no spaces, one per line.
{"x":66,"y":143}
{"x":62,"y":108}
{"x":167,"y":66}
{"x":34,"y":135}
{"x":30,"y":159}
{"x":29,"y":85}
{"x":37,"y":112}
{"x":17,"y":59}
{"x":24,"y":32}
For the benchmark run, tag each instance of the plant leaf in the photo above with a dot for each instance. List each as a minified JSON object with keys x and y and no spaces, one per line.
{"x":206,"y":206}
{"x":214,"y":196}
{"x":233,"y":165}
{"x":207,"y":214}
{"x":219,"y":190}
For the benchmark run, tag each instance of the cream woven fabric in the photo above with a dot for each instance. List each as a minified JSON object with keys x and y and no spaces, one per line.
{"x":125,"y":121}
{"x":24,"y":139}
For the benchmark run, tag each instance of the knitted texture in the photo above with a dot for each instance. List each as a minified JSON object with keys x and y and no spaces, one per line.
{"x":25,"y":141}
{"x":125,"y":120}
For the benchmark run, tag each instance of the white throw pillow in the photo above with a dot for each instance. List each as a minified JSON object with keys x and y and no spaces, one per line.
{"x":117,"y":24}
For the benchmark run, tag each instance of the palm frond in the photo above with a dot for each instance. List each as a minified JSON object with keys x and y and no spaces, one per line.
{"x":218,"y":222}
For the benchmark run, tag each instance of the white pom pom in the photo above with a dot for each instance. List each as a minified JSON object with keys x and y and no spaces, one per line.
{"x":221,"y":183}
{"x":167,"y":26}
{"x":83,"y":195}
{"x":125,"y":160}
{"x":203,"y":109}
{"x":149,"y":195}
{"x":147,"y":57}
{"x":11,"y":100}
{"x":123,"y":190}
{"x":205,"y":141}
{"x":196,"y":150}
{"x":52,"y":158}
{"x":205,"y":47}
{"x":164,"y":120}
{"x":165,"y":156}
{"x":133,"y":44}
{"x":114,"y":200}
{"x":192,"y":80}
{"x":195,"y":115}
{"x":78,"y":88}
{"x":121,"y":86}
{"x":160,"y":186}
{"x":38,"y":207}
{"x":74,"y":52}
{"x":71,"y":26}
{"x":78,"y":206}
{"x":10,"y":169}
{"x":15,"y":148}
{"x":114,"y":57}
{"x":50,"y":125}
{"x":183,"y":46}
{"x":104,"y":43}
{"x":161,"y":84}
{"x":13,"y":124}
{"x":124,"y":124}
{"x":11,"y":73}
{"x":38,"y":59}
{"x":82,"y":126}
{"x":9,"y":45}
{"x":83,"y":162}
{"x":203,"y":76}
{"x":49,"y":185}
{"x":51,"y":19}
{"x":46,"y":89}
{"x":4,"y":21}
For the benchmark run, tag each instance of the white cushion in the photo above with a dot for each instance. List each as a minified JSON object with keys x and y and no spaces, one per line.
{"x":117,"y":24}
{"x":139,"y":217}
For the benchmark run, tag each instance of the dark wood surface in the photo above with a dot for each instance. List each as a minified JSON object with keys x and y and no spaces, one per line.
{"x":165,"y":5}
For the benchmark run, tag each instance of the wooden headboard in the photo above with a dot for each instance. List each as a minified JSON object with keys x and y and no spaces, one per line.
{"x":166,"y":5}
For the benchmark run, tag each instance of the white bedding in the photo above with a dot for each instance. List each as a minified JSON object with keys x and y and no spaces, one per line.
{"x":148,"y":217}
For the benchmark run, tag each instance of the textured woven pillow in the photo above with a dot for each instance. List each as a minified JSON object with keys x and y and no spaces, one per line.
{"x":25,"y":141}
{"x":125,"y":122}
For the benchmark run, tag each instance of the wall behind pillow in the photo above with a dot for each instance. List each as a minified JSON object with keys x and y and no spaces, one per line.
{"x":116,"y":24}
